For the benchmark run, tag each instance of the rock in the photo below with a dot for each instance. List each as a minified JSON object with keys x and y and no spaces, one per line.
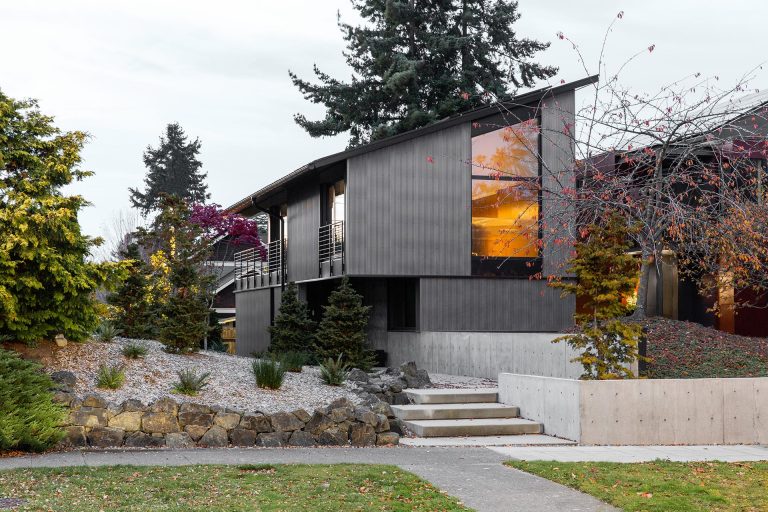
{"x":166,"y":405}
{"x":159,"y":422}
{"x":179,"y":440}
{"x":200,"y":419}
{"x":319,"y":422}
{"x":89,"y":417}
{"x":242,"y":437}
{"x":142,"y":440}
{"x":396,"y":387}
{"x":400,"y":399}
{"x":132,"y":405}
{"x":256,"y":422}
{"x":340,"y":402}
{"x":382,"y":423}
{"x":364,"y":415}
{"x":195,"y":431}
{"x":113,"y":410}
{"x":270,"y":440}
{"x":75,"y":437}
{"x":358,"y":375}
{"x":94,"y":401}
{"x":64,"y":380}
{"x":340,"y":414}
{"x":372,"y":388}
{"x":414,"y":377}
{"x":301,"y":438}
{"x":302,"y":415}
{"x":129,"y":421}
{"x":105,"y":437}
{"x":64,"y":398}
{"x":227,"y":420}
{"x":333,"y":437}
{"x":187,"y":407}
{"x":285,"y":422}
{"x":396,"y":426}
{"x":216,"y":437}
{"x":387,"y":438}
{"x":362,"y":435}
{"x":383,"y":408}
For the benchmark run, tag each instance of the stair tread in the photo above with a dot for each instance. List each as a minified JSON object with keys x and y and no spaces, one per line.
{"x":479,"y":405}
{"x":450,"y":391}
{"x":455,"y":396}
{"x":465,"y":422}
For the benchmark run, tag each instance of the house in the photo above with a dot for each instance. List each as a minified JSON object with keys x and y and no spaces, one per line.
{"x":441,"y":246}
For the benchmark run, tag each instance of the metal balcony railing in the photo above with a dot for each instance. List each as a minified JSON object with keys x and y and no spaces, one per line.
{"x":331,"y":245}
{"x":253,"y":269}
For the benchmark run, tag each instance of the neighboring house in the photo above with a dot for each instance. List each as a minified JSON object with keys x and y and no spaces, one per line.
{"x":440,"y":248}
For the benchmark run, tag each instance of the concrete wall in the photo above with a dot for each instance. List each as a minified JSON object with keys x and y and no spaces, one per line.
{"x":644,"y":412}
{"x":481,"y":354}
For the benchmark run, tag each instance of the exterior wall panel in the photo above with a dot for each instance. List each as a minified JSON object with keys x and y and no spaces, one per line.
{"x":303,"y":223}
{"x":253,"y":316}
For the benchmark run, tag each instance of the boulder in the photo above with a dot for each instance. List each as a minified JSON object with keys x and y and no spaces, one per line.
{"x":63,"y":397}
{"x":256,"y":422}
{"x":400,"y":399}
{"x":341,"y":402}
{"x":129,"y":421}
{"x":340,"y":414}
{"x":365,"y":415}
{"x":319,"y":422}
{"x":159,"y":423}
{"x":143,"y":440}
{"x":285,"y":422}
{"x":358,"y":375}
{"x":382,"y":423}
{"x":242,"y":437}
{"x":334,"y":437}
{"x":179,"y":440}
{"x":105,"y":437}
{"x":200,"y":419}
{"x":301,"y":438}
{"x":396,"y":425}
{"x":165,"y":405}
{"x":94,"y":401}
{"x":187,"y":407}
{"x":88,"y":417}
{"x":74,"y":436}
{"x":302,"y":415}
{"x":227,"y":420}
{"x":269,"y":440}
{"x":383,"y":408}
{"x":362,"y":435}
{"x":132,"y":405}
{"x":216,"y":437}
{"x":195,"y":431}
{"x":387,"y":438}
{"x":64,"y":380}
{"x":414,"y":377}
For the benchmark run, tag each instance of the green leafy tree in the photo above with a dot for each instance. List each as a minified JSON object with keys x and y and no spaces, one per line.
{"x":132,"y":300}
{"x":342,"y":330}
{"x":415,"y":62}
{"x":47,"y":284}
{"x":172,"y":169}
{"x":293,"y":330}
{"x":606,"y":276}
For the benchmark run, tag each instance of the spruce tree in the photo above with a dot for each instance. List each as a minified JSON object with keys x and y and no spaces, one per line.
{"x":134,"y":309}
{"x":172,"y":169}
{"x":415,"y":62}
{"x":342,"y":330}
{"x":293,"y":330}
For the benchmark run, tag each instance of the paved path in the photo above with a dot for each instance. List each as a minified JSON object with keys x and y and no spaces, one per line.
{"x":730,"y":453}
{"x":474,"y":475}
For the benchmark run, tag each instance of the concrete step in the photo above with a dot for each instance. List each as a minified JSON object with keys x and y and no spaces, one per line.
{"x":480,"y":427}
{"x":454,"y":411}
{"x":453,"y":396}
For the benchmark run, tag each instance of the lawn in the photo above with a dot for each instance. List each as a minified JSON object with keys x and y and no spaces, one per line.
{"x":664,"y":486}
{"x":227,"y":488}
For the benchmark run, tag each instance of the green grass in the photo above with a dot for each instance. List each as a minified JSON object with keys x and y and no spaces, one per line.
{"x":229,"y":488}
{"x":664,"y":486}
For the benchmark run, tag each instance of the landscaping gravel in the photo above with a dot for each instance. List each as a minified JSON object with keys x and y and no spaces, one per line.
{"x":231,"y":383}
{"x":441,"y":380}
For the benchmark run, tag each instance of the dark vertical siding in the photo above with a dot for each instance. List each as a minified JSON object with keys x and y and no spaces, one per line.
{"x":253,"y":316}
{"x":407,"y":216}
{"x":474,"y":304}
{"x":303,"y":223}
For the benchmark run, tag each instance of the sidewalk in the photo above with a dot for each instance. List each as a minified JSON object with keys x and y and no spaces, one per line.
{"x":474,"y":475}
{"x":729,"y":453}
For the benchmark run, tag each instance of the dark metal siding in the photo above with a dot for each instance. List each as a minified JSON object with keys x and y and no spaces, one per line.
{"x":303,"y":223}
{"x":474,"y":304}
{"x":254,"y":316}
{"x":407,"y":216}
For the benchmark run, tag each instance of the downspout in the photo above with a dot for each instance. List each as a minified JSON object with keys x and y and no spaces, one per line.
{"x":282,"y":235}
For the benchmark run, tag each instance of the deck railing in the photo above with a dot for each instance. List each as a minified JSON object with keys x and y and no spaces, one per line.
{"x":331,"y":246}
{"x":255,"y":268}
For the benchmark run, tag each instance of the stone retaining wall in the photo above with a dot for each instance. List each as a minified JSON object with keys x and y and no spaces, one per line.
{"x":93,"y":422}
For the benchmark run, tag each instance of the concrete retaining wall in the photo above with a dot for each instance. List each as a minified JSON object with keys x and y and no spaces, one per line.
{"x":643,"y":412}
{"x":482,"y":354}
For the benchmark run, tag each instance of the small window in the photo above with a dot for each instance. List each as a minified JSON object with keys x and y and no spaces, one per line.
{"x":402,"y":304}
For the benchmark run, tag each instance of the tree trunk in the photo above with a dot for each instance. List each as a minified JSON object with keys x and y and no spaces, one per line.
{"x":642,"y":290}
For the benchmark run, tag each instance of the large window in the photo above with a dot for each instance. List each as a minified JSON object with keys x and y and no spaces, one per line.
{"x":505,"y":199}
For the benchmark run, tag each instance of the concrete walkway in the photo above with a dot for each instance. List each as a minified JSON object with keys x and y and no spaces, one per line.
{"x":729,"y":453}
{"x":474,"y":475}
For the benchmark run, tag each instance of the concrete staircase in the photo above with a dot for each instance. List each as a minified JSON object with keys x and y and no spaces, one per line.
{"x":461,"y":412}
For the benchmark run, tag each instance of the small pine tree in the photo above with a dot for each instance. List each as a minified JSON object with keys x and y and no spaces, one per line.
{"x":132,"y":301}
{"x":606,"y":274}
{"x":293,"y":330}
{"x":342,"y":330}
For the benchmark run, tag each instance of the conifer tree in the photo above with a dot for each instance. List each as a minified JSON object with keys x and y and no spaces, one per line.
{"x":342,"y":330}
{"x":172,"y":169}
{"x":132,"y":299}
{"x":606,"y":277}
{"x":293,"y":329}
{"x":415,"y":62}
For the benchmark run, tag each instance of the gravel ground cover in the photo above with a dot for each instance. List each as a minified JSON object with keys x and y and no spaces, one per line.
{"x":441,"y":380}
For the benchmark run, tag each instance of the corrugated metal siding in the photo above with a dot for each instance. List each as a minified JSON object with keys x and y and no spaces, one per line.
{"x":474,"y":304}
{"x":303,"y":223}
{"x":253,"y":316}
{"x":407,"y":216}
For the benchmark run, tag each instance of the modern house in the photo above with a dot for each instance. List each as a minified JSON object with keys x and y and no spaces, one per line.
{"x":441,"y":245}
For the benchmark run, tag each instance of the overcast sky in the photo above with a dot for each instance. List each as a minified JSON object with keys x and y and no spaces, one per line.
{"x":122,"y":70}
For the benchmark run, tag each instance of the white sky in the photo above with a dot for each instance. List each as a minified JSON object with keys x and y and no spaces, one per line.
{"x":122,"y":70}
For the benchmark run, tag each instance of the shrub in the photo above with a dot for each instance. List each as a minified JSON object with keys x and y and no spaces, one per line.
{"x":293,"y":361}
{"x":334,"y":372}
{"x":106,"y":332}
{"x":110,"y":377}
{"x":134,"y":351}
{"x":29,"y":418}
{"x":293,"y":330}
{"x":190,"y":382}
{"x":269,"y":373}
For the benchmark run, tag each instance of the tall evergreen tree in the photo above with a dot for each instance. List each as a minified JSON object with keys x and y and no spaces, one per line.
{"x":132,"y":300}
{"x":172,"y":169}
{"x":418,"y":61}
{"x":293,"y":329}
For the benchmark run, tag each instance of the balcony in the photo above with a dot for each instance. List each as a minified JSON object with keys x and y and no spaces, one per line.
{"x":330,"y":245}
{"x":258,"y":269}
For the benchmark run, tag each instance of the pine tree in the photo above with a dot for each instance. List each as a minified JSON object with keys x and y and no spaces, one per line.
{"x":132,"y":301}
{"x":606,"y":276}
{"x":293,"y":330}
{"x":172,"y":169}
{"x":342,"y":330}
{"x":418,"y":61}
{"x":47,"y":284}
